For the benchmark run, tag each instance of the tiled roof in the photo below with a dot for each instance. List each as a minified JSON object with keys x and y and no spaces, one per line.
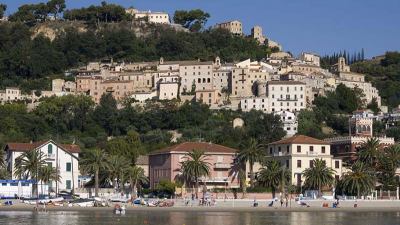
{"x":203,"y":146}
{"x":300,"y":139}
{"x":23,"y":147}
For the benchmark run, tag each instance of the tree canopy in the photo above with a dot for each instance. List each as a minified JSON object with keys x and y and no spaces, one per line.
{"x":194,"y":19}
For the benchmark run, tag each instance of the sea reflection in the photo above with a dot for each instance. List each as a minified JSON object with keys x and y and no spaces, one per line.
{"x":201,"y":218}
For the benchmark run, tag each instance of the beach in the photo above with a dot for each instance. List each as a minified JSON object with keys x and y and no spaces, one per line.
{"x":242,"y":205}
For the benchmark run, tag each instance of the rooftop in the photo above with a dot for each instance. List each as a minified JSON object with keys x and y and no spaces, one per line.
{"x":281,"y":82}
{"x":300,"y":139}
{"x":24,"y":147}
{"x":203,"y":146}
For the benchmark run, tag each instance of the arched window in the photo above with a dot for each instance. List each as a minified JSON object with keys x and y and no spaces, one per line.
{"x":364,"y":128}
{"x":358,"y":129}
{"x":368,"y":128}
{"x":50,"y":149}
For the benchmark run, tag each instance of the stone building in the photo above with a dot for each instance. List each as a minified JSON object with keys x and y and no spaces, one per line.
{"x":234,"y":27}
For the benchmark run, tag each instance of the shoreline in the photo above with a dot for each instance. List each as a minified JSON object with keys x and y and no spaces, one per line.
{"x":23,"y":208}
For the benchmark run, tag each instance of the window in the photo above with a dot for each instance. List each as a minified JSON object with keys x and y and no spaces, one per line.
{"x":337,"y":164}
{"x":298,"y":148}
{"x":68,"y":184}
{"x":3,"y":184}
{"x":279,"y":149}
{"x":287,"y":149}
{"x":68,"y":167}
{"x":323,"y":149}
{"x":298,"y":163}
{"x":50,"y":149}
{"x":311,"y":148}
{"x":311,"y":163}
{"x":270,"y":150}
{"x":287,"y":163}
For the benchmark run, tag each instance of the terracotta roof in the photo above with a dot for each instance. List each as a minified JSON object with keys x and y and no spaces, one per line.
{"x":300,"y":139}
{"x":204,"y":146}
{"x":23,"y":147}
{"x":142,"y":160}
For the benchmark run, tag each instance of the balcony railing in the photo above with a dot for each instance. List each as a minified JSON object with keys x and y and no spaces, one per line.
{"x":222,"y":166}
{"x":288,"y":99}
{"x":213,"y":179}
{"x":312,"y":153}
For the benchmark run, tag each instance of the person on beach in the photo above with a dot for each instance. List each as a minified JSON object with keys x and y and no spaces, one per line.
{"x":281,"y":201}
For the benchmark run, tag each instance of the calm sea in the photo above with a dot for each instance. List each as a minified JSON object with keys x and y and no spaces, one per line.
{"x":201,"y":218}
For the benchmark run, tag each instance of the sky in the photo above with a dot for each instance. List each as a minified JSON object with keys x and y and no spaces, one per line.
{"x":320,"y":26}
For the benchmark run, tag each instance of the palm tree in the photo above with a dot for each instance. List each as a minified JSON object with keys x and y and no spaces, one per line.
{"x":359,"y":180}
{"x":116,"y":169}
{"x":274,"y":176}
{"x":195,"y":166}
{"x":238,"y":171}
{"x":319,"y":175}
{"x":94,"y":161}
{"x":2,"y":161}
{"x":136,"y":176}
{"x":252,"y":152}
{"x":28,"y":165}
{"x":369,"y":152}
{"x":48,"y":174}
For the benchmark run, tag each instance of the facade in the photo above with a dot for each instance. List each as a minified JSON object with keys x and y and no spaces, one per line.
{"x":11,"y":94}
{"x":298,"y":152}
{"x":286,"y":96}
{"x":149,"y":16}
{"x":168,"y":90}
{"x":360,"y":129}
{"x":289,"y":121}
{"x":234,"y":27}
{"x":257,"y":33}
{"x":165,"y":164}
{"x":20,"y":188}
{"x":143,"y":162}
{"x":64,"y":158}
{"x":246,"y":75}
{"x":211,"y":98}
{"x":310,"y":58}
{"x":280,"y":96}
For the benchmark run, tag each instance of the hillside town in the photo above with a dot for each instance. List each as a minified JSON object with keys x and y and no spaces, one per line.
{"x":281,"y":85}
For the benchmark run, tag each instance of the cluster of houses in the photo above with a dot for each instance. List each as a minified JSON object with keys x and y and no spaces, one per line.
{"x":295,"y":153}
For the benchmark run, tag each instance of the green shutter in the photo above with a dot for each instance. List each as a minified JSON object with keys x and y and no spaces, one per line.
{"x":50,"y":149}
{"x":69,"y":167}
{"x":68,"y":184}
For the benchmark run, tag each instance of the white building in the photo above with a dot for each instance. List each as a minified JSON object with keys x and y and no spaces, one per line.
{"x":168,"y":90}
{"x":310,"y":58}
{"x":149,"y":16}
{"x":289,"y":121}
{"x":280,"y":96}
{"x":62,"y":157}
{"x":298,"y":152}
{"x":21,"y":188}
{"x":286,"y":95}
{"x":11,"y":94}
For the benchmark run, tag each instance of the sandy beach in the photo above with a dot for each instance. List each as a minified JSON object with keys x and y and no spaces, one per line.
{"x":239,"y":206}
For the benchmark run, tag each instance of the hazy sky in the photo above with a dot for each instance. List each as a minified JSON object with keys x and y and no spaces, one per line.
{"x":322,"y":26}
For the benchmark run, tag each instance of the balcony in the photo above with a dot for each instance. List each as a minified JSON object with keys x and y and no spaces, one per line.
{"x":312,"y":153}
{"x":222,"y":166}
{"x":213,"y":179}
{"x":51,"y":156}
{"x":288,"y":99}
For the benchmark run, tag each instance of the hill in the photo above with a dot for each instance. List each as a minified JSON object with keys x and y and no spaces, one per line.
{"x":384,"y":73}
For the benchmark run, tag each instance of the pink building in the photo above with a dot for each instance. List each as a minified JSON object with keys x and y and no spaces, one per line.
{"x":165,"y":164}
